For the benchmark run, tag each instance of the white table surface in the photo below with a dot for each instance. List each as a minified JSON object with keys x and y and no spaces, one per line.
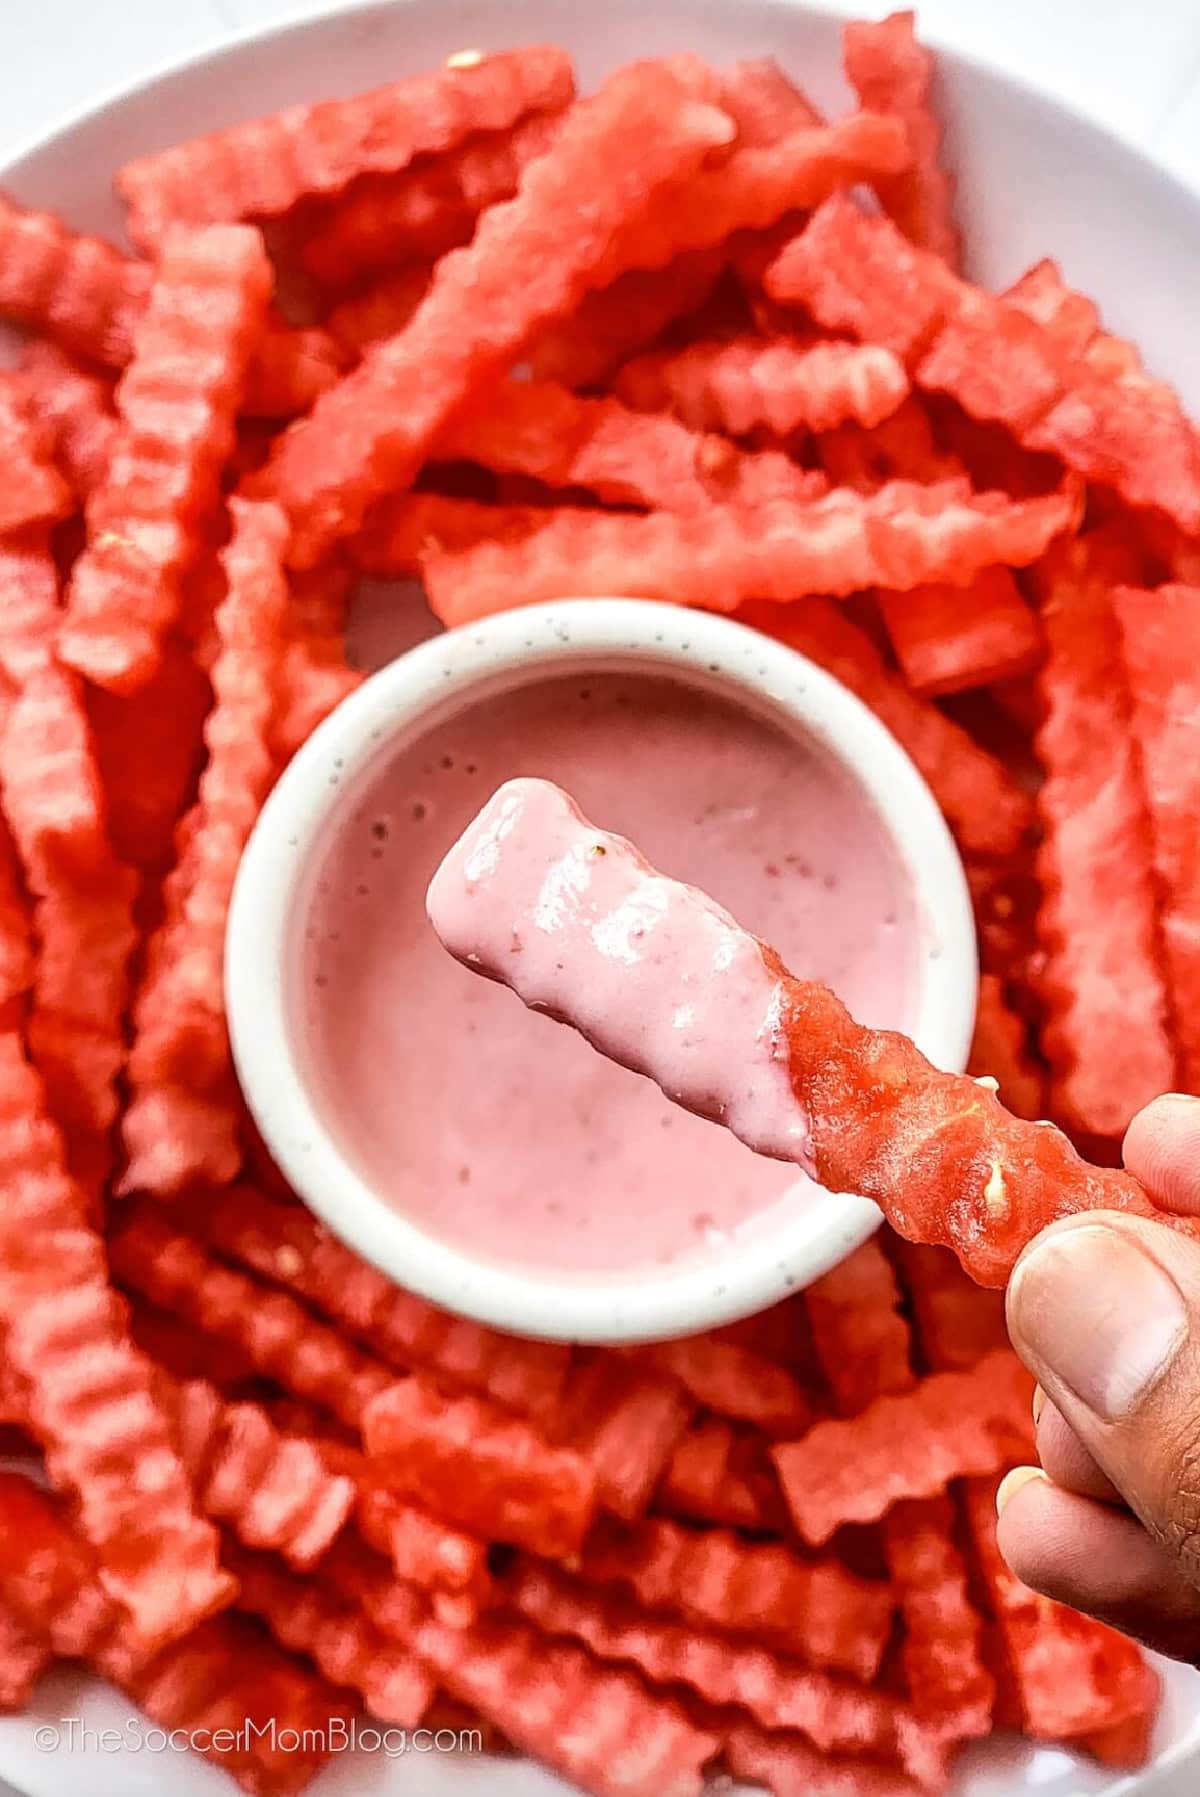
{"x":1133,"y":65}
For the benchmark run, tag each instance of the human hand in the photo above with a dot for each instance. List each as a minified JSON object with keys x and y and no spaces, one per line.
{"x":1105,"y":1311}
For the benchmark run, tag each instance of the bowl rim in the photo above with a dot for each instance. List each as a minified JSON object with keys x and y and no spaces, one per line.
{"x":359,"y":13}
{"x":398,"y":704}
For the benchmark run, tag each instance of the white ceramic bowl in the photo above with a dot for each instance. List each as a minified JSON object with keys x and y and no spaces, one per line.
{"x":790,"y":1244}
{"x":1033,"y":179}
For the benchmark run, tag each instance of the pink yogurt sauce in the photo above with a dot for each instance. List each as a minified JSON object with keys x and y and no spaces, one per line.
{"x":485,"y":1123}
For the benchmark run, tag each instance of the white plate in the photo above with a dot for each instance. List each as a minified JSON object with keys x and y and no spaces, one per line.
{"x":1033,"y":180}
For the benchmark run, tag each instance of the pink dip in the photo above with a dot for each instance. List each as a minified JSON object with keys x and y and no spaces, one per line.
{"x":484,"y":1122}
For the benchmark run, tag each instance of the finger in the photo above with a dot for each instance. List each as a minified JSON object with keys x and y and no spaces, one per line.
{"x":1065,"y":1459}
{"x":1102,"y":1561}
{"x":1105,"y":1311}
{"x":1162,"y":1147}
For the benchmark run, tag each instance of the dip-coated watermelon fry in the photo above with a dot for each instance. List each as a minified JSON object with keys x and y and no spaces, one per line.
{"x":902,"y":536}
{"x":369,"y":434}
{"x":891,"y":72}
{"x":737,"y":384}
{"x":468,"y":1460}
{"x":176,"y":404}
{"x":261,"y":168}
{"x":1160,"y":639}
{"x":179,"y":1063}
{"x":862,"y":1110}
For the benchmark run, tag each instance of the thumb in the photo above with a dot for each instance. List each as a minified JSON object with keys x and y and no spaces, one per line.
{"x":1104,"y":1309}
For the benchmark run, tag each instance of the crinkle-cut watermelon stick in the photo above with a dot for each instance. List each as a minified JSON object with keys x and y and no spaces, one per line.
{"x":262,"y":167}
{"x":1073,"y":1674}
{"x":76,"y":407}
{"x":600,"y":1726}
{"x":50,"y":778}
{"x":273,"y":1490}
{"x":1160,"y":638}
{"x":625,"y":457}
{"x":1107,"y":1032}
{"x":951,"y":639}
{"x":87,"y":298}
{"x":816,"y":1609}
{"x":584,"y":348}
{"x":176,"y":403}
{"x":891,"y":72}
{"x":864,"y":1344}
{"x":988,"y":812}
{"x":282,"y":1339}
{"x":24,"y":1656}
{"x":465,"y":1458}
{"x":218,"y":1675}
{"x":764,"y":103}
{"x":369,"y":434}
{"x":308,"y":1619}
{"x":857,"y":274}
{"x":836,"y":1714}
{"x":736,"y":384}
{"x":181,"y":1123}
{"x":862,"y":1110}
{"x":33,"y":491}
{"x":422,"y":211}
{"x":720,"y":1473}
{"x":285,"y":1244}
{"x":314,"y":674}
{"x":757,"y":187}
{"x":91,"y":1396}
{"x":904,"y":535}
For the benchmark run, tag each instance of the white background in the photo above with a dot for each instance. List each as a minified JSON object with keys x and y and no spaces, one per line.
{"x":1133,"y":65}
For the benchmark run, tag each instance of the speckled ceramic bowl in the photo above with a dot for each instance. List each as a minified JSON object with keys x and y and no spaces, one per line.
{"x":792,"y":1242}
